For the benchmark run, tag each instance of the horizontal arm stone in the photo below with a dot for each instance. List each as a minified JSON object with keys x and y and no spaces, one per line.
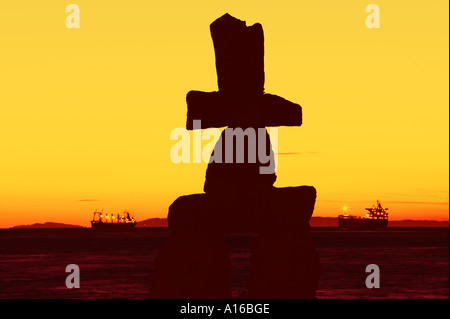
{"x":215,"y":109}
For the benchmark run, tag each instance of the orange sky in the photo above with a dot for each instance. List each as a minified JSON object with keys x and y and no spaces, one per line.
{"x":86,"y":114}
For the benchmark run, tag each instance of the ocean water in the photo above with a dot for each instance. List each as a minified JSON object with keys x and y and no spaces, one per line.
{"x":413,"y":262}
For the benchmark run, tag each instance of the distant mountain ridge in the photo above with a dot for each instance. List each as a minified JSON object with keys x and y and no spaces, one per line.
{"x":314,"y":222}
{"x":418,"y":223}
{"x":153,"y":222}
{"x":321,"y":222}
{"x":48,"y":225}
{"x":333,"y":222}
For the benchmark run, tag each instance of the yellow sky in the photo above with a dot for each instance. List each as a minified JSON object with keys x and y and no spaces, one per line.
{"x":86,"y":114}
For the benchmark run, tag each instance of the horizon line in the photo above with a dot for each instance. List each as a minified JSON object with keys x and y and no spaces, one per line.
{"x":77,"y":225}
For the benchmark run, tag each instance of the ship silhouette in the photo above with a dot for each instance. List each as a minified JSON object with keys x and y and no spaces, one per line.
{"x":106,"y":222}
{"x":376,"y":218}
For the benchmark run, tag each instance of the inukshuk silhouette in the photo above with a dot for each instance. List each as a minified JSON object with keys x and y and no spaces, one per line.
{"x":239,"y":195}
